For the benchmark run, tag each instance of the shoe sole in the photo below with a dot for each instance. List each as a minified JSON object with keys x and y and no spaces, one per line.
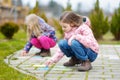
{"x":85,"y":70}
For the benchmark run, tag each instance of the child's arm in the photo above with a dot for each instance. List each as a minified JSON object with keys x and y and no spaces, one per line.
{"x":55,"y":58}
{"x":26,"y":48}
{"x":70,"y":40}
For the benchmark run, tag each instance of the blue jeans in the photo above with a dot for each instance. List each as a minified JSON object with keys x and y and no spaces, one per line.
{"x":77,"y":49}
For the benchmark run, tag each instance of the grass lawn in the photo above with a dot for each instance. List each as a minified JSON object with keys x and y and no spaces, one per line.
{"x":108,"y":39}
{"x":7,"y":47}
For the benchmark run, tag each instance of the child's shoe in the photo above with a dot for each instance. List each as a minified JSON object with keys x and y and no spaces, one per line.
{"x":85,"y":66}
{"x":72,"y":62}
{"x":45,"y":53}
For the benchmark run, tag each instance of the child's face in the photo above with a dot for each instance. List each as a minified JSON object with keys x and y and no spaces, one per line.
{"x":66,"y":27}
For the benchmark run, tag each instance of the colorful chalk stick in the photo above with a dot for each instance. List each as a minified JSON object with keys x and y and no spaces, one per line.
{"x":43,"y":68}
{"x":38,"y":65}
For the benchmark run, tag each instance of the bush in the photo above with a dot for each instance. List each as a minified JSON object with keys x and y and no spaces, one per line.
{"x":115,"y":24}
{"x":8,"y":29}
{"x":36,"y":10}
{"x":99,"y":22}
{"x":58,"y":28}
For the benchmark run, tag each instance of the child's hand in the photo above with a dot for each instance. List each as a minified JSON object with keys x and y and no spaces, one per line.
{"x":49,"y":62}
{"x":24,"y":53}
{"x":69,"y":41}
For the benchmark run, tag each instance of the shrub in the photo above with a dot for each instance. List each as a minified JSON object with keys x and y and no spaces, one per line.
{"x":115,"y":24}
{"x":8,"y":29}
{"x":99,"y":22}
{"x":58,"y":28}
{"x":36,"y":10}
{"x":69,"y":6}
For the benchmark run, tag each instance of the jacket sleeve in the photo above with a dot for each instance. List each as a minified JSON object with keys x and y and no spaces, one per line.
{"x":28,"y":46}
{"x":57,"y":56}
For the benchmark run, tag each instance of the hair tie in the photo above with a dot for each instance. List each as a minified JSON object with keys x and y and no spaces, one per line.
{"x":84,"y":19}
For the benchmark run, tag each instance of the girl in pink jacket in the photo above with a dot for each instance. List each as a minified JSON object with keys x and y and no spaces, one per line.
{"x":79,"y":42}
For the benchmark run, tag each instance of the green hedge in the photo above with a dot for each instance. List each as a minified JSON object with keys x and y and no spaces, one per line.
{"x":115,"y":24}
{"x":9,"y":29}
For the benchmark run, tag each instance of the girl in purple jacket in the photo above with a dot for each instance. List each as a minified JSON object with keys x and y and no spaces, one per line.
{"x":39,"y":34}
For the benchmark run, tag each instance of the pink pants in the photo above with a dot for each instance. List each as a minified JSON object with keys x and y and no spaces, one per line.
{"x":43,"y":42}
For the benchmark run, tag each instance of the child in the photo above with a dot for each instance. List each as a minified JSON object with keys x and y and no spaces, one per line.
{"x":40,"y":34}
{"x":78,"y":43}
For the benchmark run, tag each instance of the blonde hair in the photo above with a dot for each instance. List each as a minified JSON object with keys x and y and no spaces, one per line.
{"x":33,"y":26}
{"x":71,"y":18}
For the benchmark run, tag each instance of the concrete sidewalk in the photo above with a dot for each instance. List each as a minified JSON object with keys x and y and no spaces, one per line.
{"x":106,"y":66}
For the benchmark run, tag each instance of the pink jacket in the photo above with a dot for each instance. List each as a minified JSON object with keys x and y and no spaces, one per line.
{"x":84,"y":35}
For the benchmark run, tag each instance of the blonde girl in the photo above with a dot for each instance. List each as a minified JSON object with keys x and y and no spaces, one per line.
{"x":39,"y":34}
{"x":79,"y":43}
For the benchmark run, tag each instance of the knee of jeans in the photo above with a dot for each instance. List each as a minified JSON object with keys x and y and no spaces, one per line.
{"x":74,"y":42}
{"x":62,"y":43}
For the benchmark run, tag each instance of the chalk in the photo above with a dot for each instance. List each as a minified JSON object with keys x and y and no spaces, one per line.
{"x":38,"y":65}
{"x":43,"y":67}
